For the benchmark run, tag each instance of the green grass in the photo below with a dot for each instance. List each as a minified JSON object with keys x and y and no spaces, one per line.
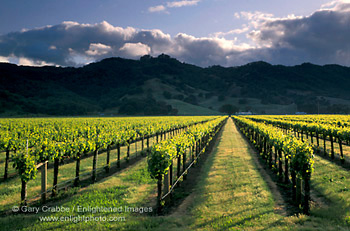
{"x":332,"y":183}
{"x":329,"y":184}
{"x":117,"y":191}
{"x":232,"y":195}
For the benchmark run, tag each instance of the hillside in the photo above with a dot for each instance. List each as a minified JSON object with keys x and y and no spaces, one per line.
{"x":165,"y":86}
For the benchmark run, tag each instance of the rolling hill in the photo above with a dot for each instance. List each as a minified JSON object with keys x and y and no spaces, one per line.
{"x":165,"y":86}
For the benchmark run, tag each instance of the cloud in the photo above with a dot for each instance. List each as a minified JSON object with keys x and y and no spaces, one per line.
{"x":29,"y":62}
{"x":182,"y":3}
{"x":231,"y":32}
{"x":159,"y":8}
{"x":174,"y":4}
{"x":98,"y":49}
{"x":4,"y":59}
{"x":339,"y":5}
{"x":320,"y":38}
{"x":135,"y":49}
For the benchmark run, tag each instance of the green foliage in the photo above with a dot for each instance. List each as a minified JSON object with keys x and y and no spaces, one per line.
{"x":26,"y":166}
{"x":325,"y":125}
{"x":300,"y":153}
{"x":163,"y":153}
{"x":160,"y":158}
{"x":50,"y":139}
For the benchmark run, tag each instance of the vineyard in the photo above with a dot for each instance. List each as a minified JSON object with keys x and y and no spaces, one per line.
{"x":196,"y":173}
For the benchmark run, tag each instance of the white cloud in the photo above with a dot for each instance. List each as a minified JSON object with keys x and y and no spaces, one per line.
{"x":135,"y":49}
{"x":35,"y":63}
{"x":174,"y":4}
{"x":231,"y":32}
{"x":182,"y":3}
{"x":4,"y":59}
{"x":96,"y":49}
{"x":338,"y":5}
{"x":159,"y":8}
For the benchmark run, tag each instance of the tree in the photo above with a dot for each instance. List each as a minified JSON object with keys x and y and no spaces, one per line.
{"x":228,"y":108}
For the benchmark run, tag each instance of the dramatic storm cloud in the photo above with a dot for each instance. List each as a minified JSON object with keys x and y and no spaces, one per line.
{"x":322,"y":37}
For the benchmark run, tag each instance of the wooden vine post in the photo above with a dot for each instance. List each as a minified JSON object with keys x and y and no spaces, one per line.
{"x":332,"y":146}
{"x":286,"y":174}
{"x":118,"y":155}
{"x":167,"y":186}
{"x":179,"y":166}
{"x":148,"y":150}
{"x":142,"y":142}
{"x":7,"y":164}
{"x":108,"y":164}
{"x":312,"y":138}
{"x":128,"y":153}
{"x":324,"y":144}
{"x":77,"y":171}
{"x":270,"y":156}
{"x":159,"y":195}
{"x":299,"y":183}
{"x":306,"y":208}
{"x":275,"y":159}
{"x":94,"y":164}
{"x":43,"y":167}
{"x":24,"y":193}
{"x":171,"y":173}
{"x":184,"y":164}
{"x":342,"y":160}
{"x":55,"y":176}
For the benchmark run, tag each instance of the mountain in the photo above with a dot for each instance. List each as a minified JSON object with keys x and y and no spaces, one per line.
{"x":165,"y":86}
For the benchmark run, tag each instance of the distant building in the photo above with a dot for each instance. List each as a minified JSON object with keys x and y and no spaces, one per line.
{"x":300,"y":113}
{"x":245,"y":113}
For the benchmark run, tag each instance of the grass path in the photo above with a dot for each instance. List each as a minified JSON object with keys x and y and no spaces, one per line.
{"x":232,"y":193}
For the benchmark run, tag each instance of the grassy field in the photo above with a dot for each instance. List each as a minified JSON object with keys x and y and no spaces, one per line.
{"x":330,"y":183}
{"x":232,"y":191}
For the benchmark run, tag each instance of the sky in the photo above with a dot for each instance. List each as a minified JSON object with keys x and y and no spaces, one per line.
{"x":200,"y":32}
